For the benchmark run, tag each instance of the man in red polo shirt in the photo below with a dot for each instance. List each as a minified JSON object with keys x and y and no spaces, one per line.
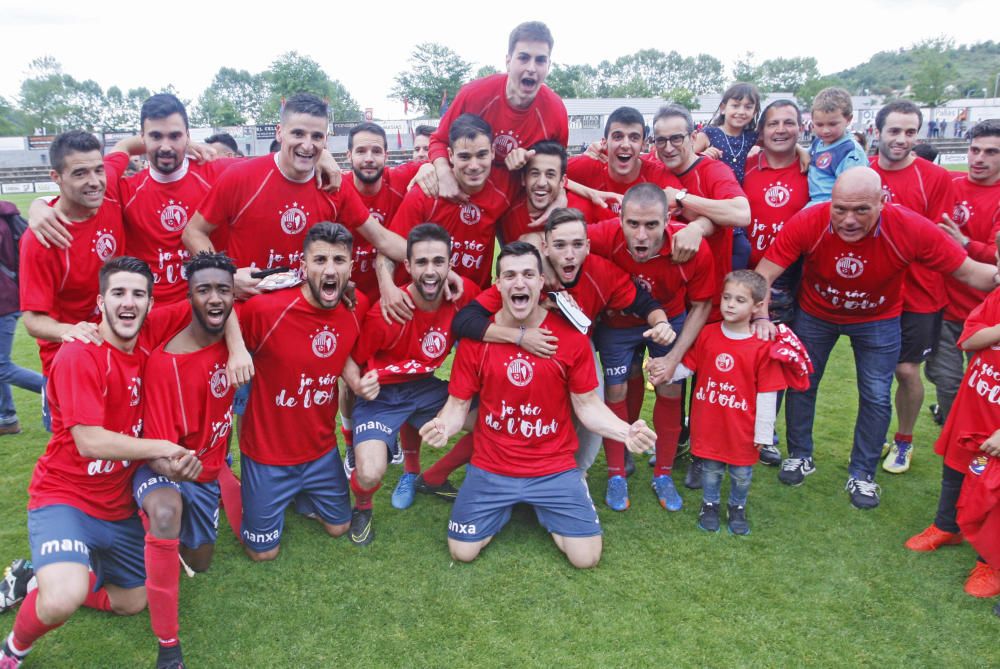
{"x":854,"y":250}
{"x":925,"y":188}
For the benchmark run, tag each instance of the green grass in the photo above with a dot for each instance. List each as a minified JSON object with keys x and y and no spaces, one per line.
{"x":817,"y":582}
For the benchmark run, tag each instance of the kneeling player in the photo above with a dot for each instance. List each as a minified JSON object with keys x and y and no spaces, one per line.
{"x":524,"y":439}
{"x":189,"y":402}
{"x":399,"y":385}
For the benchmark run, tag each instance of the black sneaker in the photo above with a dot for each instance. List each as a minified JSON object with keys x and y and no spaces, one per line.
{"x":795,"y":470}
{"x":348,"y":460}
{"x":684,"y":440}
{"x":170,"y":657}
{"x":864,"y":494}
{"x":445,"y":491}
{"x":738,"y":520}
{"x":708,"y":517}
{"x":770,"y":456}
{"x":14,"y":585}
{"x":629,"y":464}
{"x":692,"y":479}
{"x":362,"y":533}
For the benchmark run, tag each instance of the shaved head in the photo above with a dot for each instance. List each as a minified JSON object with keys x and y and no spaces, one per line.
{"x":858,"y":182}
{"x":856,"y":203}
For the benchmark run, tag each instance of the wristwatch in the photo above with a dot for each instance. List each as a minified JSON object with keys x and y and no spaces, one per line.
{"x":679,"y":197}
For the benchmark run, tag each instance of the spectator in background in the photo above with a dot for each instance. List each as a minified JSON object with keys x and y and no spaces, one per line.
{"x":861,"y":139}
{"x":932,"y":129}
{"x":943,"y":127}
{"x":926,"y":151}
{"x":224,"y":144}
{"x":10,"y":310}
{"x":275,"y":146}
{"x":421,"y":142}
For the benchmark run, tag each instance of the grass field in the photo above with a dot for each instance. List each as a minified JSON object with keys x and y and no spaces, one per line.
{"x":817,"y":583}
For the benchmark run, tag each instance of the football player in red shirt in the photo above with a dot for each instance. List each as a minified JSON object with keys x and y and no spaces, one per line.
{"x":524,"y":441}
{"x":974,"y":224}
{"x":392,"y":372}
{"x":422,"y":142}
{"x":79,"y":506}
{"x":925,"y":188}
{"x":854,"y":250}
{"x":188,"y":401}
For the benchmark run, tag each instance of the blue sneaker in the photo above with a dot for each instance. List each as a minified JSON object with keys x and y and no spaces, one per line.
{"x":667,"y":493}
{"x":402,"y":496}
{"x":617,"y":497}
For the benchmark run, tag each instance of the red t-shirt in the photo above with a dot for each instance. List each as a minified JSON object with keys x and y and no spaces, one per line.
{"x":926,"y":189}
{"x":730,"y":373}
{"x":265,"y":216}
{"x":976,"y":409}
{"x":189,"y":402}
{"x":516,"y":222}
{"x":545,"y":118}
{"x":977,"y":213}
{"x":156,"y":209}
{"x":63,"y":282}
{"x":299,"y":353}
{"x":405,"y":351}
{"x":382,"y":206}
{"x":713,"y":180}
{"x":862,"y":281}
{"x":472,"y":225}
{"x":599,"y":285}
{"x":668,"y":282}
{"x":99,"y":386}
{"x":775,"y":195}
{"x":594,"y":174}
{"x":524,"y":427}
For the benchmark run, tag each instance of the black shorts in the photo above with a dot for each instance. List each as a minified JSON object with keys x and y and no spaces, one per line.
{"x":920,"y":333}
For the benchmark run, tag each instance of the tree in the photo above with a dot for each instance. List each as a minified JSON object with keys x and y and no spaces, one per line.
{"x":485,"y":71}
{"x":685,"y":97}
{"x":121,"y":110}
{"x":809,"y":89}
{"x":572,"y":81}
{"x":651,"y":73}
{"x":931,"y":82}
{"x":11,"y":120}
{"x":291,"y":73}
{"x":45,"y":95}
{"x":703,"y":74}
{"x":435,"y":70}
{"x":84,"y":105}
{"x":775,"y":74}
{"x":234,"y":97}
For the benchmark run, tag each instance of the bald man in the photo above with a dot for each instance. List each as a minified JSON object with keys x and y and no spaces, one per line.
{"x":855,"y":251}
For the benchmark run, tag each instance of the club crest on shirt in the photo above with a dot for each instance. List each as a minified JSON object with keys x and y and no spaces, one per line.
{"x":519,"y":371}
{"x":615,"y":207}
{"x":962,"y":213}
{"x":173,"y":217}
{"x":645,"y":282}
{"x":134,"y":391}
{"x":850,"y":266}
{"x":823,"y":160}
{"x":433,"y":343}
{"x":377,"y":214}
{"x":887,"y":192}
{"x":219,"y":382}
{"x":504,"y":142}
{"x":105,"y":244}
{"x":293,"y":219}
{"x":724,"y":362}
{"x":469,"y":214}
{"x":978,"y":464}
{"x":324,"y":343}
{"x":777,"y":195}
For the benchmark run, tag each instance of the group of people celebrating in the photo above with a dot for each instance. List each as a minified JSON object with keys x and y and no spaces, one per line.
{"x":286,"y":292}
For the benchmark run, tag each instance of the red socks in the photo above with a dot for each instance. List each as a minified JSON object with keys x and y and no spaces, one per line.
{"x":96,"y":600}
{"x":634,"y":395}
{"x":908,"y":438}
{"x":614,"y":451}
{"x":409,"y":440}
{"x":667,"y":423}
{"x":232,"y":501}
{"x":348,"y":435}
{"x":459,"y":454}
{"x":27,"y":627}
{"x":163,"y":569}
{"x":362,"y":496}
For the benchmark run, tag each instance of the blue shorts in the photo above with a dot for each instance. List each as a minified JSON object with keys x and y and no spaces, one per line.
{"x":200,"y":515}
{"x":562,"y":503}
{"x":114,"y":549}
{"x":46,"y":411}
{"x":319,"y":485}
{"x":240,"y":399}
{"x":413,"y":402}
{"x":622,"y":349}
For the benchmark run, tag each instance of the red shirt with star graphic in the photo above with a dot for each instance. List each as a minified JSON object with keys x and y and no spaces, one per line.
{"x":594,"y":174}
{"x":524,"y":427}
{"x":545,"y":118}
{"x":977,"y":213}
{"x":412,"y":350}
{"x":299,"y":352}
{"x":775,"y":195}
{"x":264,"y":215}
{"x":855,"y":282}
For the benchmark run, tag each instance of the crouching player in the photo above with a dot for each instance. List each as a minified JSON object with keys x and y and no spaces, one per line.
{"x":524,"y":438}
{"x":398,"y":385}
{"x":189,"y":402}
{"x":80,"y":509}
{"x":734,"y":399}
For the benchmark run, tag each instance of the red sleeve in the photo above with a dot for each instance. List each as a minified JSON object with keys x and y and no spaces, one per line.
{"x":986,"y":251}
{"x":770,"y":376}
{"x":252,"y":322}
{"x":160,"y":414}
{"x":693,"y":355}
{"x":80,"y":385}
{"x":470,"y":291}
{"x":934,"y":248}
{"x":351,"y":210}
{"x":621,"y":288}
{"x":584,"y":170}
{"x":602,"y":236}
{"x":582,"y":373}
{"x":465,"y":376}
{"x":438,"y":147}
{"x":164,"y":322}
{"x":941,"y":196}
{"x":402,"y":175}
{"x":219,"y":206}
{"x":722,"y":183}
{"x":41,"y":274}
{"x":376,"y":331}
{"x":986,"y":315}
{"x":796,"y":237}
{"x":115,"y":165}
{"x":411,"y":212}
{"x":699,"y":275}
{"x":490,"y":299}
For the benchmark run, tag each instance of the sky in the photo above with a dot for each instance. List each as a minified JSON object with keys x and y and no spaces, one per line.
{"x":365,"y":44}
